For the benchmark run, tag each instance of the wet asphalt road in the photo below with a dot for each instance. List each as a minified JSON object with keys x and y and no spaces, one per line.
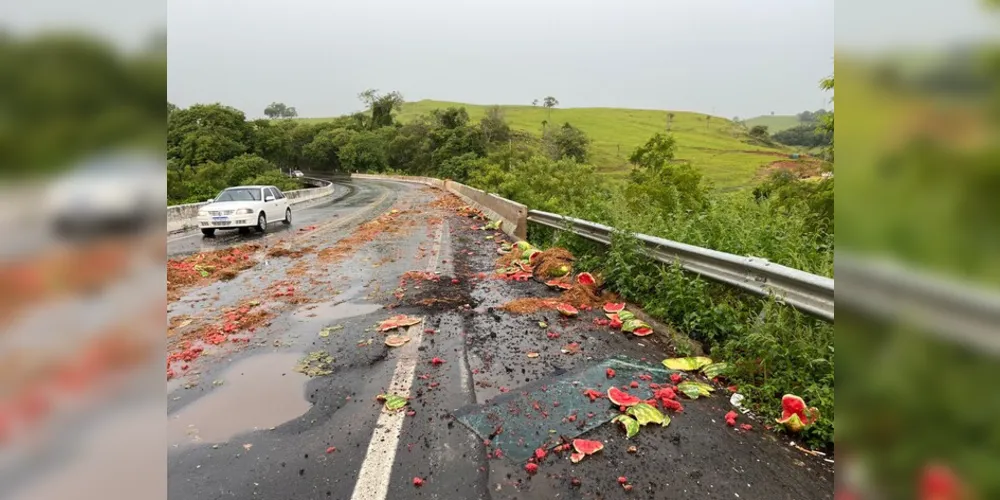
{"x":243,"y":424}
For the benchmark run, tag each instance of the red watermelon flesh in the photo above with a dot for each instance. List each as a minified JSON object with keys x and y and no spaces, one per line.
{"x":621,"y":398}
{"x":586,"y":279}
{"x":567,"y":310}
{"x":614,"y":307}
{"x":587,"y":447}
{"x":533,"y":258}
{"x":642,"y":331}
{"x":559,"y":284}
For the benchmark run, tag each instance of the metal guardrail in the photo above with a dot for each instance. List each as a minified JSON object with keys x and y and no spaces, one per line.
{"x":806,"y":292}
{"x":954,"y":311}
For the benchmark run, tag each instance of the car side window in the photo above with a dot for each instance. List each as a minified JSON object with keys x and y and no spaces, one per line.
{"x":268,"y":192}
{"x":277,"y":193}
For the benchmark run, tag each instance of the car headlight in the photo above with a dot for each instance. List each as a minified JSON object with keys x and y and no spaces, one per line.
{"x":202,"y":213}
{"x":243,"y":211}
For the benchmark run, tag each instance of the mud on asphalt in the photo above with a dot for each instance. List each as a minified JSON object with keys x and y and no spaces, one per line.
{"x":281,"y":450}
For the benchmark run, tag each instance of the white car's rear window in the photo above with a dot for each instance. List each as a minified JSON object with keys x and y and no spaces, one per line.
{"x":239,"y":194}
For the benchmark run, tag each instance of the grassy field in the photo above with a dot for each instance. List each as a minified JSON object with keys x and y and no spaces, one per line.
{"x":775,"y":123}
{"x":715,"y":146}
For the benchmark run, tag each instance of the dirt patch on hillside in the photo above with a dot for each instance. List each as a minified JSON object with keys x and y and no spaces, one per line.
{"x":802,"y":168}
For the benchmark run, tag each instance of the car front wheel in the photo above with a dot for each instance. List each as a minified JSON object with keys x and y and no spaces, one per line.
{"x":288,"y":216}
{"x":208,"y":231}
{"x":261,"y":223}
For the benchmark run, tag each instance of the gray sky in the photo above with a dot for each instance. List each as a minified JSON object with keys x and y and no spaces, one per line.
{"x":733,"y":57}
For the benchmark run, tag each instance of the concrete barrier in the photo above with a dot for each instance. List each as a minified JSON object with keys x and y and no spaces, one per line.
{"x":514,"y":215}
{"x":184,"y":217}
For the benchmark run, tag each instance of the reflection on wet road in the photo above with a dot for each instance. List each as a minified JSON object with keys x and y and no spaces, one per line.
{"x":255,"y":393}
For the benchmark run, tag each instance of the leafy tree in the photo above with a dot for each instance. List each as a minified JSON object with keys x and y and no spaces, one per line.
{"x":826,"y":122}
{"x":410,"y":149}
{"x":656,"y":154}
{"x":451,"y":118}
{"x":280,"y":110}
{"x":207,"y":132}
{"x":534,"y":102}
{"x":567,"y":142}
{"x":324,"y":152}
{"x":670,"y":120}
{"x":273,"y":141}
{"x":65,"y":96}
{"x":381,"y":106}
{"x":494,"y":125}
{"x":549,"y":103}
{"x":171,"y":107}
{"x":805,"y":135}
{"x":364,"y":152}
{"x":656,"y":182}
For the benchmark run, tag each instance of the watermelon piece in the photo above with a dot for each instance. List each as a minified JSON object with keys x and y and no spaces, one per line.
{"x":559,"y":284}
{"x":501,"y":251}
{"x":632,"y":324}
{"x":523,"y":246}
{"x":622,"y":398}
{"x":560,"y":271}
{"x":614,"y":307}
{"x":587,"y":447}
{"x":526,"y":256}
{"x":389,"y":324}
{"x":642,"y":331}
{"x":794,"y":414}
{"x":646,"y":413}
{"x":616,"y":322}
{"x":625,"y":316}
{"x":687,"y":364}
{"x":628,"y":423}
{"x":396,"y":340}
{"x":533,"y":257}
{"x":524,"y":266}
{"x":566,"y":310}
{"x":576,"y":457}
{"x":586,"y":279}
{"x":398,"y":321}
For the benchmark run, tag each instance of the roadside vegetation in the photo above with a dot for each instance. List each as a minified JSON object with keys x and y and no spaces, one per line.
{"x":774,"y":350}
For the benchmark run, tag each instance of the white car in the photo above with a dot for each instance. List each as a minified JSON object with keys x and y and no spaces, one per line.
{"x":243,"y":207}
{"x":116,"y":191}
{"x":298,"y":173}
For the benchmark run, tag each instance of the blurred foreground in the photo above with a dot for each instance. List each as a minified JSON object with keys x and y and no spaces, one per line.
{"x":918,"y":207}
{"x":82,"y":294}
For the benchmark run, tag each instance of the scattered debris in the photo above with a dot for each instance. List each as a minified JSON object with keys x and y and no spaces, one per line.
{"x":330,"y":329}
{"x":315,"y":364}
{"x":794,"y":414}
{"x":396,"y":340}
{"x":398,"y":321}
{"x":392,"y":402}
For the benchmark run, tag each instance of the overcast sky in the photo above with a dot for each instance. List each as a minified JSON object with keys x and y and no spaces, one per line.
{"x":727,"y":57}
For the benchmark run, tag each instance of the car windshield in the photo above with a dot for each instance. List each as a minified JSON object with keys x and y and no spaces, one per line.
{"x":242,"y":194}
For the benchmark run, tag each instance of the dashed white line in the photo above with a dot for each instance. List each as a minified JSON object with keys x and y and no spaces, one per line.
{"x":376,"y":470}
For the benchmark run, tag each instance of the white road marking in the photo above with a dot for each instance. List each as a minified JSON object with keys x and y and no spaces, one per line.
{"x":376,"y":470}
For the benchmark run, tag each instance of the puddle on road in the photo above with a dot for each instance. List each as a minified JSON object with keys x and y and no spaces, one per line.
{"x":333,"y":311}
{"x":259,"y":392}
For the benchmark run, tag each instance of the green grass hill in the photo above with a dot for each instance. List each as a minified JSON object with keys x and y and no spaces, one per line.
{"x":716,"y":145}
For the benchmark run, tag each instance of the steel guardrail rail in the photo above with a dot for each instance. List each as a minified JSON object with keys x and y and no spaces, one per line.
{"x":809,"y":293}
{"x":893,"y":291}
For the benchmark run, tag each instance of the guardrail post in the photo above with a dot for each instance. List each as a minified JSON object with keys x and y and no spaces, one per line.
{"x":521,"y":231}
